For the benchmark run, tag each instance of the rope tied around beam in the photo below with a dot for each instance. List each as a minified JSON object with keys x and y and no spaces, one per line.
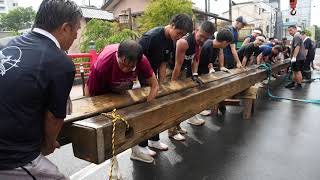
{"x":115,"y":117}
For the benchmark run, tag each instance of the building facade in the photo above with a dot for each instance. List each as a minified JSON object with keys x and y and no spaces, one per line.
{"x":7,"y":5}
{"x":137,"y":7}
{"x":279,"y":22}
{"x":258,"y":14}
{"x":301,"y":19}
{"x":117,"y":7}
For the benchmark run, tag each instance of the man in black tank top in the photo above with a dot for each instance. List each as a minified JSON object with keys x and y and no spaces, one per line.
{"x":187,"y":58}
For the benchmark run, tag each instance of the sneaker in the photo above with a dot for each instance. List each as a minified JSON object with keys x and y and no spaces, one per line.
{"x":181,"y":130}
{"x":307,"y":80}
{"x":138,"y":155}
{"x":206,"y":113}
{"x":298,"y":86}
{"x":291,"y":85}
{"x":178,"y":137}
{"x":196,"y":120}
{"x":158,"y":145}
{"x":146,"y":150}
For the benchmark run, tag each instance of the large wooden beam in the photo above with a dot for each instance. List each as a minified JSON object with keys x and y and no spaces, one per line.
{"x":91,"y":138}
{"x":91,"y":106}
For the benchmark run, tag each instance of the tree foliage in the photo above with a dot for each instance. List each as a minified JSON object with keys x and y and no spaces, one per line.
{"x":104,"y":33}
{"x":160,"y":12}
{"x":18,"y":18}
{"x":308,"y":32}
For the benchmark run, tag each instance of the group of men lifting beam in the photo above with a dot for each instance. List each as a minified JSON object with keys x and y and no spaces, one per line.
{"x":185,"y":52}
{"x":37,"y":77}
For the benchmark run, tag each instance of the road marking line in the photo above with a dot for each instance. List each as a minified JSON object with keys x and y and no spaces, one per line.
{"x":92,"y":168}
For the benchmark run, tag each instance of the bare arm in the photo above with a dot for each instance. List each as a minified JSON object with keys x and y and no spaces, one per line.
{"x":306,"y":52}
{"x":235,"y":55}
{"x":162,"y":72}
{"x":195,"y":63}
{"x":52,"y":126}
{"x":244,"y":61}
{"x":259,"y":58}
{"x":86,"y":91}
{"x":251,"y":61}
{"x":154,"y":87}
{"x":296,"y":51}
{"x":221,"y":58}
{"x":245,"y":42}
{"x":182,"y":46}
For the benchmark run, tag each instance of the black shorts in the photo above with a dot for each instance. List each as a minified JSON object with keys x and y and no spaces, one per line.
{"x":298,"y":65}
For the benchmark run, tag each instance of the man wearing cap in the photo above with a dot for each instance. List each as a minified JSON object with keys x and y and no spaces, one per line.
{"x":247,"y":52}
{"x":231,"y":59}
{"x":251,"y":38}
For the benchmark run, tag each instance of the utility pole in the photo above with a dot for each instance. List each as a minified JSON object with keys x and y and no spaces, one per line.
{"x":209,"y":6}
{"x":230,"y":10}
{"x":206,"y":9}
{"x":130,"y":18}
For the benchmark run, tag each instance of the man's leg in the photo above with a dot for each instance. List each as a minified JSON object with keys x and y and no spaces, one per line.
{"x":144,"y":147}
{"x":142,"y":153}
{"x":229,"y":64}
{"x":306,"y":73}
{"x":295,"y":68}
{"x":155,"y":143}
{"x":297,"y":74}
{"x":175,"y":134}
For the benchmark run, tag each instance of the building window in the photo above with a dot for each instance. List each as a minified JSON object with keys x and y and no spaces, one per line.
{"x":14,"y":4}
{"x":1,"y":1}
{"x":287,"y":19}
{"x":2,"y":8}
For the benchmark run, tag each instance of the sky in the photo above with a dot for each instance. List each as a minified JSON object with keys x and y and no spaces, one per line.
{"x":222,"y":4}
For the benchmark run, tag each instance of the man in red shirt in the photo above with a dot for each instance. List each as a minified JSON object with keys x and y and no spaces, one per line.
{"x":116,"y":68}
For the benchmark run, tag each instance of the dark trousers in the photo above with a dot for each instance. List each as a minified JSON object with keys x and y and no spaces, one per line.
{"x":145,"y":143}
{"x":306,"y":70}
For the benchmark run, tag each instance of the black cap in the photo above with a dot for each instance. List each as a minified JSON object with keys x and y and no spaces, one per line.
{"x":242,"y":20}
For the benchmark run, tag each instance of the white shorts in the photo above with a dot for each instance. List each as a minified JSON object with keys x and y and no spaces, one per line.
{"x":41,"y":168}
